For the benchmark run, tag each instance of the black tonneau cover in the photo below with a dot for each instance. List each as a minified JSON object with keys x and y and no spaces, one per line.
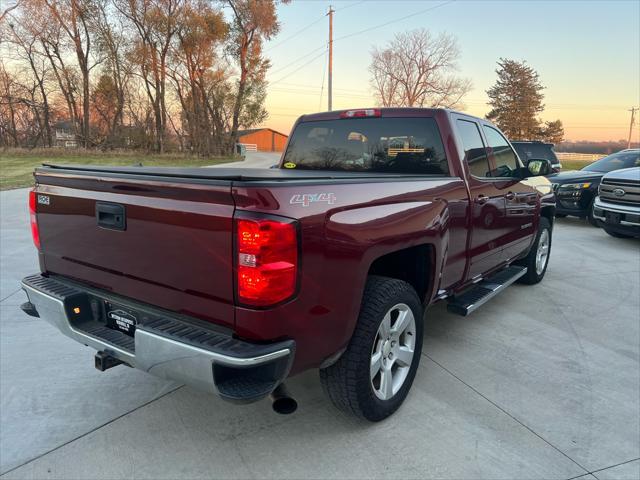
{"x":230,"y":174}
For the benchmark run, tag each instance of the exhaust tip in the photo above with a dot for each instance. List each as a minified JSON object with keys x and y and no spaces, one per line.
{"x":281,"y":402}
{"x":285,"y":405}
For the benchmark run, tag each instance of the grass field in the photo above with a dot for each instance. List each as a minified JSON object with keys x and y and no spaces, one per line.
{"x":16,"y":166}
{"x":574,"y":164}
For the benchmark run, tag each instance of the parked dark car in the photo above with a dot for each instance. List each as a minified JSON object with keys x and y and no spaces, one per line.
{"x":576,"y":190}
{"x":537,"y":150}
{"x":617,"y":207}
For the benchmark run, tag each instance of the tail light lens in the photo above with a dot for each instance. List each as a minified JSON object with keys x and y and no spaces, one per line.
{"x":35,"y":233}
{"x":267,"y":260}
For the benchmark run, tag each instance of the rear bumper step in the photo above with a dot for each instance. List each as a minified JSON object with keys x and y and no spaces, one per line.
{"x":485,"y":290}
{"x":173,"y":348}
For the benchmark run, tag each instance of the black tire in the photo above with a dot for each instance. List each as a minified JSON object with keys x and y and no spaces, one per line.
{"x":347,"y":382}
{"x":561,"y":215}
{"x":590,"y":218}
{"x":616,"y":234}
{"x":532,"y":276}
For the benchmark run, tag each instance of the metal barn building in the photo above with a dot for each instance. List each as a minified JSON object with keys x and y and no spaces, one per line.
{"x":262,"y":140}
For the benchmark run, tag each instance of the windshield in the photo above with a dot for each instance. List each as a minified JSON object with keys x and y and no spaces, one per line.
{"x":615,"y":162}
{"x":527,"y":151}
{"x":387,"y":145}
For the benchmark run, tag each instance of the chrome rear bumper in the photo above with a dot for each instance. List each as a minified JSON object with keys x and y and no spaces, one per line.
{"x":170,"y":348}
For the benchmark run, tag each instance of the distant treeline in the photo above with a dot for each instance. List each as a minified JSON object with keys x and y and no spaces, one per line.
{"x":157,"y":75}
{"x":594,"y":147}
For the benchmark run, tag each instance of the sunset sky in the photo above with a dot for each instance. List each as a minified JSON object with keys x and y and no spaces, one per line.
{"x":586,"y":52}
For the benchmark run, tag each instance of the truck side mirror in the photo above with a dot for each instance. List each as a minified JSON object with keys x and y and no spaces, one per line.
{"x":539,"y":167}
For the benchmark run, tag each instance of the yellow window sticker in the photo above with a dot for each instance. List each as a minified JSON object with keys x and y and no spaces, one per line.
{"x":289,"y":165}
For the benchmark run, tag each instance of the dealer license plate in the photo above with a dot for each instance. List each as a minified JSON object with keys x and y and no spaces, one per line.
{"x":121,"y":318}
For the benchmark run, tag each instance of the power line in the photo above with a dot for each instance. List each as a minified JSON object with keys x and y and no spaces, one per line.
{"x":314,"y":87}
{"x":305,"y":89}
{"x":330,"y":80}
{"x":306,"y":55}
{"x":324,"y":72}
{"x":298,"y":69}
{"x":419,"y":12}
{"x":302,"y":30}
{"x":306,"y":27}
{"x":348,"y":6}
{"x":313,"y":93}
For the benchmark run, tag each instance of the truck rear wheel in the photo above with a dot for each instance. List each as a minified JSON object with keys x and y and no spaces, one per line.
{"x":538,"y":258}
{"x":373,"y":376}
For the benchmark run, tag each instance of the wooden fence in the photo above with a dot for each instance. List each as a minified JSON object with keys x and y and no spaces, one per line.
{"x":250,"y":147}
{"x":584,"y":157}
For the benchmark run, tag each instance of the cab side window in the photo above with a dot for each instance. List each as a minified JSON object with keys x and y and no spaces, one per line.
{"x":475,"y":155}
{"x":505,"y":157}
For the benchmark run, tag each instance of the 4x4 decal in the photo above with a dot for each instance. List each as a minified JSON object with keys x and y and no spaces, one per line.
{"x":306,"y":199}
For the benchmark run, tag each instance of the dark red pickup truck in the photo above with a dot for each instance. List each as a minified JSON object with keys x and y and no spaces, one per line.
{"x":231,"y":280}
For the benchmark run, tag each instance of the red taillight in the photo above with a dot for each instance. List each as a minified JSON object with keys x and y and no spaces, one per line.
{"x":35,"y":233}
{"x":369,"y":112}
{"x":267,"y":259}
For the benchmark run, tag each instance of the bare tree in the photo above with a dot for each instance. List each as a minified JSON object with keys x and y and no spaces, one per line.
{"x":74,"y":16}
{"x":149,"y":74}
{"x":23,"y":33}
{"x":8,"y":107}
{"x":195,"y":70}
{"x":155,"y":22}
{"x":110,"y":42}
{"x":253,"y":22}
{"x":417,"y":69}
{"x":55,"y":47}
{"x":5,"y":11}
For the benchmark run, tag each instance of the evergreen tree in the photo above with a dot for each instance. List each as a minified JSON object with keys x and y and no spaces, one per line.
{"x":516,"y":100}
{"x":552,"y":132}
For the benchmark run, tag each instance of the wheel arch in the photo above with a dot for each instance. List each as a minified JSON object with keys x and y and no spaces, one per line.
{"x":549,"y":212}
{"x":414,"y":265}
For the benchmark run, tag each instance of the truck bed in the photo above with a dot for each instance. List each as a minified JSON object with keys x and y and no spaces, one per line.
{"x":175,"y":247}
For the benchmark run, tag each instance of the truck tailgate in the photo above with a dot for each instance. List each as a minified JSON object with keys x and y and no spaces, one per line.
{"x":173,"y":249}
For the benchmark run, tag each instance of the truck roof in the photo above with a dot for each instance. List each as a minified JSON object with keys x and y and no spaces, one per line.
{"x":385,"y":111}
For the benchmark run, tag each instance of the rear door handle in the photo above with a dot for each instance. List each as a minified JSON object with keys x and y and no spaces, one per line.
{"x":482,"y":199}
{"x":111,"y":215}
{"x":510,"y":196}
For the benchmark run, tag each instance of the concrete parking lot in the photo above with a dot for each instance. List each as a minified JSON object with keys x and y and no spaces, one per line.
{"x":541,"y":382}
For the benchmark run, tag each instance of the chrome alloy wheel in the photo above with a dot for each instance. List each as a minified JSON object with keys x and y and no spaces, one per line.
{"x":392,"y":351}
{"x":542,"y":254}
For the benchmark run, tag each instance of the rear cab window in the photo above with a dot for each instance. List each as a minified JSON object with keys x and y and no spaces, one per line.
{"x":531,"y":150}
{"x":506,"y":160}
{"x":475,"y":153}
{"x":402,"y":145}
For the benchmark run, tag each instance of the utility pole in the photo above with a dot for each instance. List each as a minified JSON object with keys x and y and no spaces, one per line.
{"x":633,"y":115}
{"x":330,"y":82}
